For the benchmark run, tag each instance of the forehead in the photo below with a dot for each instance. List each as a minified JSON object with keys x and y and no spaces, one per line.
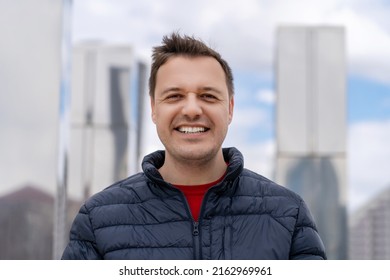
{"x":182,"y":71}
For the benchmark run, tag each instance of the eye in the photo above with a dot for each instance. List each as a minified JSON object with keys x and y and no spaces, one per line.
{"x":209,"y":97}
{"x":173,"y":97}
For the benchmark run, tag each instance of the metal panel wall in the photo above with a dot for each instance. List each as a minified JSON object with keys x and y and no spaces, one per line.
{"x":30,"y":70}
{"x":31,"y":81}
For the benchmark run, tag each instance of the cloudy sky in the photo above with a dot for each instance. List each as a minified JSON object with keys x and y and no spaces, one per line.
{"x":244,"y":33}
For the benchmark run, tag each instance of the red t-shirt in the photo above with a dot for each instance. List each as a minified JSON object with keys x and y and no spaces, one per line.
{"x":194,"y":195}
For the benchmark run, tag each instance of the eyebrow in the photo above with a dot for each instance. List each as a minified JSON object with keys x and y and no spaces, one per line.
{"x":210,"y":89}
{"x":170,"y":89}
{"x":201,"y":89}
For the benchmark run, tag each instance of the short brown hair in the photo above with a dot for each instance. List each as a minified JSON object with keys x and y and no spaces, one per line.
{"x":175,"y":45}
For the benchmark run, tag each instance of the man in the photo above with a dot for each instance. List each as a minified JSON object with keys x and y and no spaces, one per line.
{"x":194,"y":200}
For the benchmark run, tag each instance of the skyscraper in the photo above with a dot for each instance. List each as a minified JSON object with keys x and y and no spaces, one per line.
{"x":311,"y":126}
{"x":369,"y":229}
{"x":106,"y":102}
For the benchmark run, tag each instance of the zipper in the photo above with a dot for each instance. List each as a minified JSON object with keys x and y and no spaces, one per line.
{"x":195,"y":230}
{"x":195,"y":226}
{"x":196,"y":237}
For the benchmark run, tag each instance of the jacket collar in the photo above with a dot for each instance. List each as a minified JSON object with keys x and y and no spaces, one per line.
{"x":152,"y":162}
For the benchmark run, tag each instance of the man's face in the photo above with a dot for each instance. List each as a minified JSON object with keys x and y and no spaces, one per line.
{"x":191,"y":108}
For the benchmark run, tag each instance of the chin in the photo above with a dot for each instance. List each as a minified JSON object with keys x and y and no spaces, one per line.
{"x":199,"y":155}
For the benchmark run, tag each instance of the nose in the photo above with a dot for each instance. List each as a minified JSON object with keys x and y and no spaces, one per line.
{"x":192,"y":107}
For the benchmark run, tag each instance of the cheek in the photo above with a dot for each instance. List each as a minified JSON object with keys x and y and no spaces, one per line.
{"x":161,"y":117}
{"x":222,"y":119}
{"x":156,"y":112}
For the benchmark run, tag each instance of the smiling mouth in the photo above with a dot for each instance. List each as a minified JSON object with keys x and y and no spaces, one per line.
{"x":190,"y":129}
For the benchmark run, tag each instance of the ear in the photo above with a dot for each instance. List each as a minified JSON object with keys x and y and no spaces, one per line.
{"x":231,"y":107}
{"x":152,"y":106}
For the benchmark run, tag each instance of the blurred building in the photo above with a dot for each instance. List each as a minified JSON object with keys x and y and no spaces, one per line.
{"x":26,"y":223}
{"x":369,"y":229}
{"x":311,"y":126}
{"x":108,"y":89}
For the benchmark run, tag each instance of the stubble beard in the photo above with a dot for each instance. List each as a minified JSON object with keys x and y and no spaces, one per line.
{"x":194,"y":158}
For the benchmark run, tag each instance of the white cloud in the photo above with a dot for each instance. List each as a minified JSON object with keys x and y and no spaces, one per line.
{"x":259,"y":157}
{"x":248,"y":117}
{"x":266,"y":96}
{"x":368,"y":44}
{"x":244,"y":34}
{"x":368,"y":160}
{"x":102,"y":9}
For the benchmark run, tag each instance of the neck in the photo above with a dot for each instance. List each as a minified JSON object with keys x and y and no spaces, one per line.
{"x":193,"y":173}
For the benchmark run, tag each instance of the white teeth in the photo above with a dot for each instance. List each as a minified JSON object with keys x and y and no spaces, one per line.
{"x":187,"y":129}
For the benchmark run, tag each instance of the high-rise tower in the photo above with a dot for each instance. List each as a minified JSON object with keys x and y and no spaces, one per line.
{"x":311,"y":126}
{"x":106,"y":107}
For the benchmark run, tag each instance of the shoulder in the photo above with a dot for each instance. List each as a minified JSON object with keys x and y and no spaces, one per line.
{"x":258,"y":185}
{"x":127,"y":191}
{"x":275,"y":199}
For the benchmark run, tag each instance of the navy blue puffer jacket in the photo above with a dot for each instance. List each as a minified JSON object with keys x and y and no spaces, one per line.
{"x":246,"y":216}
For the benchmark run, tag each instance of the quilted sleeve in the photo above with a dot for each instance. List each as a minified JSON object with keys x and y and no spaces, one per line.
{"x":306,"y":242}
{"x":82,"y":245}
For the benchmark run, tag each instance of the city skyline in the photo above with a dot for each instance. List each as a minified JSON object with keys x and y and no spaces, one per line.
{"x":36,"y":79}
{"x":229,"y":26}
